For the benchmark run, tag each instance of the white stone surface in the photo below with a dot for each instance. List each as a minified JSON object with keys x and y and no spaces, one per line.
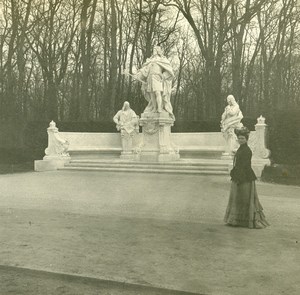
{"x":156,"y":76}
{"x":259,"y":146}
{"x":127,"y":122}
{"x":57,"y":145}
{"x":157,"y":145}
{"x":82,"y":140}
{"x":56,"y":152}
{"x":203,"y":140}
{"x":231,"y":119}
{"x":194,"y":143}
{"x":186,"y":141}
{"x":49,"y":165}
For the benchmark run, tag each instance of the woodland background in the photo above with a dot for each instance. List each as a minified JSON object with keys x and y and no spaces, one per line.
{"x":62,"y":60}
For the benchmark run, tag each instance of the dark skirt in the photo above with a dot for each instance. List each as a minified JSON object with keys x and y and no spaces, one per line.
{"x":244,"y":208}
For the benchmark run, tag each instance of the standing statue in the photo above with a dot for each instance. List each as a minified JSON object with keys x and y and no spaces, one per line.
{"x":231,"y":119}
{"x":156,"y":76}
{"x":128,"y":123}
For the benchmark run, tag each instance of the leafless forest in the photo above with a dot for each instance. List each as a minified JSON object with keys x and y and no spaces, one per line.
{"x":63,"y":59}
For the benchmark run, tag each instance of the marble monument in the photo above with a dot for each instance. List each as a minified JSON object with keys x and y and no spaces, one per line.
{"x":231,"y":119}
{"x":127,"y":122}
{"x":56,"y":154}
{"x":156,"y":76}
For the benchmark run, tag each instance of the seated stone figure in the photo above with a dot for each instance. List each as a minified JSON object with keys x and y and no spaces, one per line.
{"x":231,"y":119}
{"x":127,"y":122}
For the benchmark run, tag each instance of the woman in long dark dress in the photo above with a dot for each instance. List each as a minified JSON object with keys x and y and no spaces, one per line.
{"x":244,"y":208}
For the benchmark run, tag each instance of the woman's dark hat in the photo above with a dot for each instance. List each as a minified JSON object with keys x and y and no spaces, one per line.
{"x":243,"y":131}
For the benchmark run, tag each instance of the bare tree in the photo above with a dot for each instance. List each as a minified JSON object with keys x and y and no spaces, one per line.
{"x":85,"y":55}
{"x":51,"y":39}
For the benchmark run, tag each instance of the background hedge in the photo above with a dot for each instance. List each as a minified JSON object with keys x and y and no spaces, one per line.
{"x":25,"y":142}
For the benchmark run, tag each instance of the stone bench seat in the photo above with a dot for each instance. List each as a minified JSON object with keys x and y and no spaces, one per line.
{"x":98,"y":145}
{"x":201,"y":148}
{"x":80,"y":152}
{"x":119,"y":149}
{"x":200,"y":152}
{"x":94,"y":148}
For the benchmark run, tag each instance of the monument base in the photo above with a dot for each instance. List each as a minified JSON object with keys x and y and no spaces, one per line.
{"x":258,"y":166}
{"x":50,"y":163}
{"x":130,"y":156}
{"x":156,"y":144}
{"x":156,"y":156}
{"x":227,"y":156}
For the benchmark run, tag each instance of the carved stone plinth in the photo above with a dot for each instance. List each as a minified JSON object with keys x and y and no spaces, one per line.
{"x":257,"y":143}
{"x":56,"y":152}
{"x":128,"y":123}
{"x":128,"y":152}
{"x":156,"y":143}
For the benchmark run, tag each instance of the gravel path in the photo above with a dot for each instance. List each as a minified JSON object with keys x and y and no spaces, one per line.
{"x":153,"y":230}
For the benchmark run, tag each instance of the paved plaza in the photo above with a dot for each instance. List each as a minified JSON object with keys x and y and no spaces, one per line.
{"x":127,"y":233}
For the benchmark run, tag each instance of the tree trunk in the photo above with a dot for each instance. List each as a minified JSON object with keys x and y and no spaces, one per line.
{"x":112,"y":85}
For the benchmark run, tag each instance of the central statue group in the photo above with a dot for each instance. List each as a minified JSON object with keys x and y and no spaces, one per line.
{"x":156,"y":75}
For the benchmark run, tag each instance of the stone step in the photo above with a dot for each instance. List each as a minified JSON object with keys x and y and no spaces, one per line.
{"x":164,"y":166}
{"x":183,"y":162}
{"x":114,"y":153}
{"x":145,"y":170}
{"x":183,"y":166}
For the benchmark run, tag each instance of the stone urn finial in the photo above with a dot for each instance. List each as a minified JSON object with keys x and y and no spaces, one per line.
{"x":261,"y":120}
{"x":52,"y":124}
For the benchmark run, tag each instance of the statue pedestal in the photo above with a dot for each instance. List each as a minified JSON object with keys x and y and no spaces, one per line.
{"x":56,"y":153}
{"x":128,"y":152}
{"x":156,"y":144}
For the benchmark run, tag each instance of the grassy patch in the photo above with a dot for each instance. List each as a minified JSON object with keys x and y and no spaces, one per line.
{"x":16,"y":168}
{"x":284,"y":174}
